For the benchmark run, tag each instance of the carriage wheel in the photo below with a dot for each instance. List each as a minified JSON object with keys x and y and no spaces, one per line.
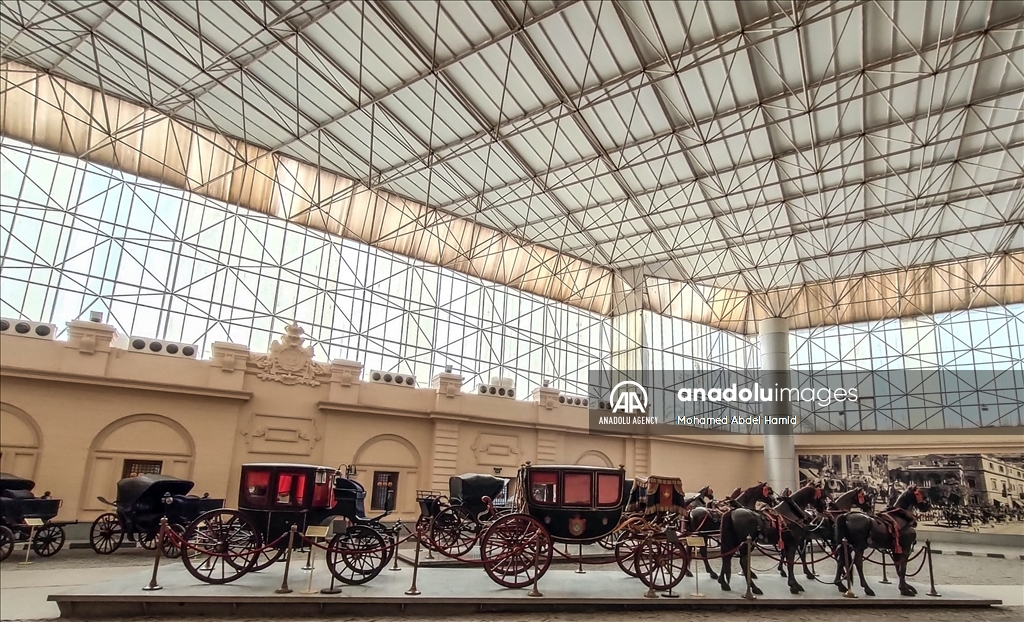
{"x":625,"y":546}
{"x":515,"y":549}
{"x":453,"y":531}
{"x":169,"y":544}
{"x":6,"y":543}
{"x":48,"y":540}
{"x":147,"y":541}
{"x":268,"y":557}
{"x":608,"y":542}
{"x":106,"y":534}
{"x":222,"y":545}
{"x":661,"y":564}
{"x":358,"y":555}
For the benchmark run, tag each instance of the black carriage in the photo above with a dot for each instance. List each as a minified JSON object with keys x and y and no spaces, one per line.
{"x":226,"y":544}
{"x":656,"y":506}
{"x":18,"y":504}
{"x":140,"y":504}
{"x":453,"y":524}
{"x":567,"y":505}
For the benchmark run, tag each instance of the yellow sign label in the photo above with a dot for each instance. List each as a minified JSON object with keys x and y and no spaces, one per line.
{"x":695,"y":541}
{"x":34,"y":522}
{"x":317,"y":531}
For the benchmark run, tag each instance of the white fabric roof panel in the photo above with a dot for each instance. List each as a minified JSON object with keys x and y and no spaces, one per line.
{"x":720,"y":162}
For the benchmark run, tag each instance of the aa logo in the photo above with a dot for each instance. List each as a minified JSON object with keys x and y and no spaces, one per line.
{"x":628,"y":397}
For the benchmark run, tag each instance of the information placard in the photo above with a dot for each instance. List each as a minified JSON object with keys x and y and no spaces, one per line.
{"x":317,"y":531}
{"x":695,"y":541}
{"x":34,"y":522}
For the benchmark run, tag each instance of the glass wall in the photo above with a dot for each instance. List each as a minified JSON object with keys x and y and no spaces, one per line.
{"x":165,"y":263}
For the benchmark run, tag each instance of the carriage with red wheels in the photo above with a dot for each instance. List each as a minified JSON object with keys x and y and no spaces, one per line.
{"x":565,"y":505}
{"x":225,"y":544}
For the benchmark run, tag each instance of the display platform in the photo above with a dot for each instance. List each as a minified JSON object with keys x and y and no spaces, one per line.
{"x":592,"y":554}
{"x":446,"y":591}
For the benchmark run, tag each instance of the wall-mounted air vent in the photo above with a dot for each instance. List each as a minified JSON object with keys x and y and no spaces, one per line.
{"x":395,"y":378}
{"x":24,"y":328}
{"x":498,"y":387}
{"x":159,"y":346}
{"x":574,"y":400}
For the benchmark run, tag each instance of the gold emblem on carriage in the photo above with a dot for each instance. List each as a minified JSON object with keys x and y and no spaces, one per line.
{"x":577,"y":525}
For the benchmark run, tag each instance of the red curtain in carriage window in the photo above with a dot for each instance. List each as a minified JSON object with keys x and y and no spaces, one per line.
{"x":579,"y":488}
{"x":609,"y":490}
{"x":291,"y":489}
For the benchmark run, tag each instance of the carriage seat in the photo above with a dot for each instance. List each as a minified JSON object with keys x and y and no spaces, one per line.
{"x":468,"y":490}
{"x":349,"y":496}
{"x":17,"y":494}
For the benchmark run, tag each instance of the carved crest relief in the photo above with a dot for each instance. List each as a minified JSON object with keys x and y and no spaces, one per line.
{"x":289,"y":362}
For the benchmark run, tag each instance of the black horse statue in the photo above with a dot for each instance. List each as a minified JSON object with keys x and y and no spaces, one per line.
{"x":891,"y":531}
{"x":706,"y":520}
{"x":824,"y":525}
{"x":785,"y":526}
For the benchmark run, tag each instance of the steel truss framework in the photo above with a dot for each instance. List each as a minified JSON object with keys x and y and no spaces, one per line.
{"x":77,"y":237}
{"x":832,"y":162}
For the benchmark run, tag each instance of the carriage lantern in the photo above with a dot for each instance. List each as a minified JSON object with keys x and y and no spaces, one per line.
{"x":321,"y":476}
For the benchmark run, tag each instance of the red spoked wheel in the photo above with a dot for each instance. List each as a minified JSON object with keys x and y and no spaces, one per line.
{"x":625,"y":546}
{"x":358,"y":555}
{"x":660,"y":564}
{"x":268,"y":557}
{"x":220,"y":546}
{"x":170,"y":546}
{"x":608,"y":542}
{"x":453,"y":531}
{"x":515,"y":550}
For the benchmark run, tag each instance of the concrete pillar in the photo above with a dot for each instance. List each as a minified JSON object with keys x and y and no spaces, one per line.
{"x":780,"y":462}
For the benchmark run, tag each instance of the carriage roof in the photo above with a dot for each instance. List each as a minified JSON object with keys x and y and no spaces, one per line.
{"x":9,"y":481}
{"x":131,"y":489}
{"x":287,"y":465}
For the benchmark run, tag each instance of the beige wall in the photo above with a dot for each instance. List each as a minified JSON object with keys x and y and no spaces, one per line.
{"x":72,"y":411}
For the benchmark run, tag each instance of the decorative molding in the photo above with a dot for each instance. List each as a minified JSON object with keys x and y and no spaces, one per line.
{"x":275,"y":434}
{"x":547,"y":447}
{"x":289,"y":362}
{"x":90,"y":337}
{"x":446,"y":453}
{"x":229,"y":357}
{"x":497,"y":450}
{"x":122,"y":383}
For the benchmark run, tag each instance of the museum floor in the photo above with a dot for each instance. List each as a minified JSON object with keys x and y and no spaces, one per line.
{"x":24,"y":589}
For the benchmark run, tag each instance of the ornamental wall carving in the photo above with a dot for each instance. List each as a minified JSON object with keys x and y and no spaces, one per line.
{"x":289,"y":361}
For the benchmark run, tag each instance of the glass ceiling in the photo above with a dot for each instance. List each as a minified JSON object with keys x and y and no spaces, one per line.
{"x":831,"y":162}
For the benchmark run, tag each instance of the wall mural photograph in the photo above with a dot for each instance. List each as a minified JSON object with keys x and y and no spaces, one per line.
{"x":967,"y":490}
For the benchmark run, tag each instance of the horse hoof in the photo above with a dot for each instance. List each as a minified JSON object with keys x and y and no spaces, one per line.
{"x":753,"y":575}
{"x":713,"y":575}
{"x":782,"y":573}
{"x":756,"y":590}
{"x":725,"y":586}
{"x":811,"y":575}
{"x":688,"y":574}
{"x":908,"y":593}
{"x":794,"y":590}
{"x":839,"y":586}
{"x":869,"y":591}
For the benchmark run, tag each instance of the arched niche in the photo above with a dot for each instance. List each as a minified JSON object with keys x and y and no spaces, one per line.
{"x":20,"y":441}
{"x":389,"y":453}
{"x":137,"y":439}
{"x":594,"y":458}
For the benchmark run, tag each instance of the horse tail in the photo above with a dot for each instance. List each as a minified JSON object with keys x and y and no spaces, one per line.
{"x":726,"y":533}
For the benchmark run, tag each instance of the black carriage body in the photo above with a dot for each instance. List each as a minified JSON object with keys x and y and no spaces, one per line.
{"x":18,"y":503}
{"x":576,"y":504}
{"x":277,"y":496}
{"x":143,"y":500}
{"x":469,"y":490}
{"x":657,"y":494}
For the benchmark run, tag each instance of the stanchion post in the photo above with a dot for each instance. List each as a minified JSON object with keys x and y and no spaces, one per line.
{"x":309,"y":556}
{"x":931,"y":574}
{"x":394,"y":551}
{"x":413,"y":591}
{"x":580,"y":569}
{"x":849,"y":570}
{"x":885,"y":578}
{"x":749,"y":595}
{"x":153,"y":586}
{"x":535,"y":592}
{"x":284,"y":589}
{"x":309,"y":585}
{"x":696,"y":579}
